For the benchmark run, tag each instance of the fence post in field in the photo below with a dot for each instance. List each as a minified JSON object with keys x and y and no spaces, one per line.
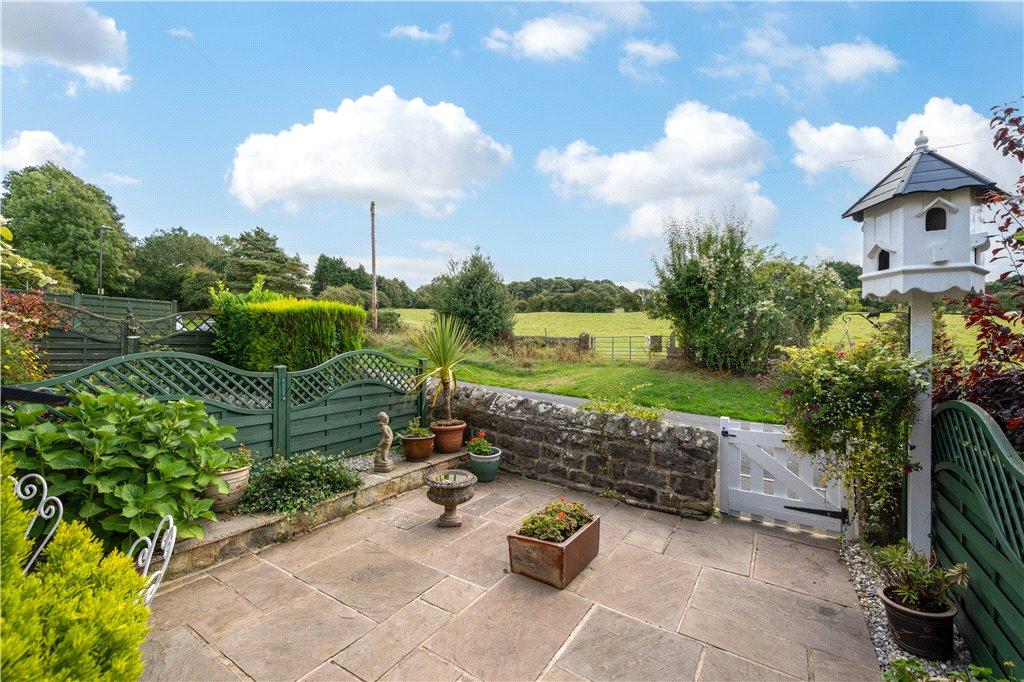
{"x":281,"y":408}
{"x":584,"y":343}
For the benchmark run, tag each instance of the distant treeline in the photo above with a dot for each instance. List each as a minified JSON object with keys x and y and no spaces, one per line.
{"x":569,"y":295}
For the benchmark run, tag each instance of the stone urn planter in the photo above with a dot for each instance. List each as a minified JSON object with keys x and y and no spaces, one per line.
{"x":448,"y":437}
{"x":923,"y":633}
{"x":237,"y":480}
{"x":450,"y":489}
{"x":555,"y":563}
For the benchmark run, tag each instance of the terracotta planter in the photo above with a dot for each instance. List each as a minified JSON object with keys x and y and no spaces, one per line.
{"x":238,"y":481}
{"x":417,"y":449}
{"x":555,"y":563}
{"x":448,"y":438}
{"x":921,"y":632}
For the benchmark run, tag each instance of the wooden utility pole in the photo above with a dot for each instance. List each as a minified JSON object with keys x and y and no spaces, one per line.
{"x":373,"y":265}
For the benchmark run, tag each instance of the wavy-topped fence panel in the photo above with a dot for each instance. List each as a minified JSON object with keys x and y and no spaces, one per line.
{"x":978,"y":519}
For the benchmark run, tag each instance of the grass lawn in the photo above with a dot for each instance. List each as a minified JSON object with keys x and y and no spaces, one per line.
{"x":685,"y":391}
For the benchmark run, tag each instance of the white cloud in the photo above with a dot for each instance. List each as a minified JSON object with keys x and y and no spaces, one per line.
{"x":706,"y":160}
{"x":565,"y":36}
{"x":414,"y":32}
{"x":630,"y":14}
{"x":820,"y":149}
{"x":71,"y":36}
{"x":633,"y":285}
{"x":118,"y":179}
{"x":547,"y":39}
{"x":643,"y":57}
{"x":769,"y":61}
{"x":404,"y":154}
{"x":35,"y":147}
{"x":180,"y":32}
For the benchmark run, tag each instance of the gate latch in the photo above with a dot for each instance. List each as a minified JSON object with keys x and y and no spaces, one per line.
{"x":841,"y":514}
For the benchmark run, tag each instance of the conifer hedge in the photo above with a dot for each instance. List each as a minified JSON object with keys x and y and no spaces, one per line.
{"x":297,"y":333}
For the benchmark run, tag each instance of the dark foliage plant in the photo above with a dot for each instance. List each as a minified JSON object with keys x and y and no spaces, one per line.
{"x":915,"y":580}
{"x":288,"y":485}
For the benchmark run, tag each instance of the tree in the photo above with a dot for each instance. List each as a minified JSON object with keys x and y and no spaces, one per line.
{"x":473,"y":291}
{"x":396,"y":292}
{"x":733,"y":303}
{"x":167,"y":258}
{"x":56,"y":218}
{"x":848,"y":272}
{"x":346,"y":293}
{"x":255,"y":252}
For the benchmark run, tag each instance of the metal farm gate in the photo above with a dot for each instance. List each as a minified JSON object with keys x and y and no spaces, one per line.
{"x":759,"y":475}
{"x":332,"y":407}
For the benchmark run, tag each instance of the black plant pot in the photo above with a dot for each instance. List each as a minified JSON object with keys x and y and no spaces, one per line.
{"x":921,"y":632}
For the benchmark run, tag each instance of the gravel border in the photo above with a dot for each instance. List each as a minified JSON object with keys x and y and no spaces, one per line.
{"x":867,"y":583}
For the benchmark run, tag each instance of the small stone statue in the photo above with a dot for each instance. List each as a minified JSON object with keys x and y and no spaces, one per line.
{"x":381,"y":460}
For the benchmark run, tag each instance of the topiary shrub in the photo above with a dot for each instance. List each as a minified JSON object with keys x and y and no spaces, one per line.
{"x":301,"y":334}
{"x":77,"y":615}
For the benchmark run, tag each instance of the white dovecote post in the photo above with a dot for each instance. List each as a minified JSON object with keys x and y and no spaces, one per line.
{"x":918,"y":245}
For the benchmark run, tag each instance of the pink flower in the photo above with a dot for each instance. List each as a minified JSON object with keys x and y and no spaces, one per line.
{"x":787,"y":392}
{"x":908,"y":468}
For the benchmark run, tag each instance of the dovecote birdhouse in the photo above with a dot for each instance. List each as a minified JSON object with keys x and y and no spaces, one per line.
{"x":918,"y":231}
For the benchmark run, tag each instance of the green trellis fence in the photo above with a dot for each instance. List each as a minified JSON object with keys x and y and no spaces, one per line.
{"x":332,"y":407}
{"x":978,"y":519}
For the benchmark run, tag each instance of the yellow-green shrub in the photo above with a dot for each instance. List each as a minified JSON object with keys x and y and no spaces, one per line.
{"x":300,"y":334}
{"x":77,"y":615}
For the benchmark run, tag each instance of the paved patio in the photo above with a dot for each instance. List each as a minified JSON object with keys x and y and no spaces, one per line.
{"x":385,"y":594}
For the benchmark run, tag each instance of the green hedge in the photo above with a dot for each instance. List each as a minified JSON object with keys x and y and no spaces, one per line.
{"x":300,"y":334}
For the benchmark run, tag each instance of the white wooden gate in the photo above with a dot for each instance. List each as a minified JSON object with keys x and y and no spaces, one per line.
{"x":759,"y":475}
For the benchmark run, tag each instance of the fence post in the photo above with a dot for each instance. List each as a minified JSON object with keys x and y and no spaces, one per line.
{"x":421,"y":399}
{"x":725,"y":464}
{"x":122,"y":334}
{"x":281,"y":403}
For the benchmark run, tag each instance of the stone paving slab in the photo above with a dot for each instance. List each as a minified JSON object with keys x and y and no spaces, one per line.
{"x":385,"y":594}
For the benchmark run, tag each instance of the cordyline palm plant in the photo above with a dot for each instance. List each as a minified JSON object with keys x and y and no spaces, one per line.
{"x":446,"y":345}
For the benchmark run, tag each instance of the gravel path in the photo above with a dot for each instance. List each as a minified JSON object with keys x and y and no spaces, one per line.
{"x":866,"y":582}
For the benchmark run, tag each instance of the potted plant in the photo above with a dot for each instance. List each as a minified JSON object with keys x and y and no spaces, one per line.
{"x":555,"y":543}
{"x":445,"y":345}
{"x":919,"y":611}
{"x":232,"y":468}
{"x":484,"y":458}
{"x":417,"y":441}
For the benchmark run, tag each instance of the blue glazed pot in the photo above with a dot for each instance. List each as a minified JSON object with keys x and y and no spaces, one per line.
{"x":485,"y":467}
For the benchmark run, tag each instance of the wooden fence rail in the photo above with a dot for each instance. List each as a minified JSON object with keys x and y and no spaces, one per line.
{"x":978,"y":519}
{"x":332,"y":407}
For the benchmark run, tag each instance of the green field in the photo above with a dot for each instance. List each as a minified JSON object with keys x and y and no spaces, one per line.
{"x":638,"y":324}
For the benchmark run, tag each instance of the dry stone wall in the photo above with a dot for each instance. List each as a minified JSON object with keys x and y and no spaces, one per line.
{"x":649,"y":464}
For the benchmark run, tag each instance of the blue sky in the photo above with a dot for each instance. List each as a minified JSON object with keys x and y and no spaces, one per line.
{"x":555,"y":136}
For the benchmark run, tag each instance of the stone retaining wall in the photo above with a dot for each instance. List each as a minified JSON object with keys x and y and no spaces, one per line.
{"x":649,"y":464}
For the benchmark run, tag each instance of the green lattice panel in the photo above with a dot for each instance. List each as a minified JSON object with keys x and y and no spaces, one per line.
{"x":160,"y":329}
{"x":315,"y":383}
{"x":978,"y":518}
{"x":173,"y":375}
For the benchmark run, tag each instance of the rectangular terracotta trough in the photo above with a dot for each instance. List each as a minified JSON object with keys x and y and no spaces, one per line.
{"x":555,"y":563}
